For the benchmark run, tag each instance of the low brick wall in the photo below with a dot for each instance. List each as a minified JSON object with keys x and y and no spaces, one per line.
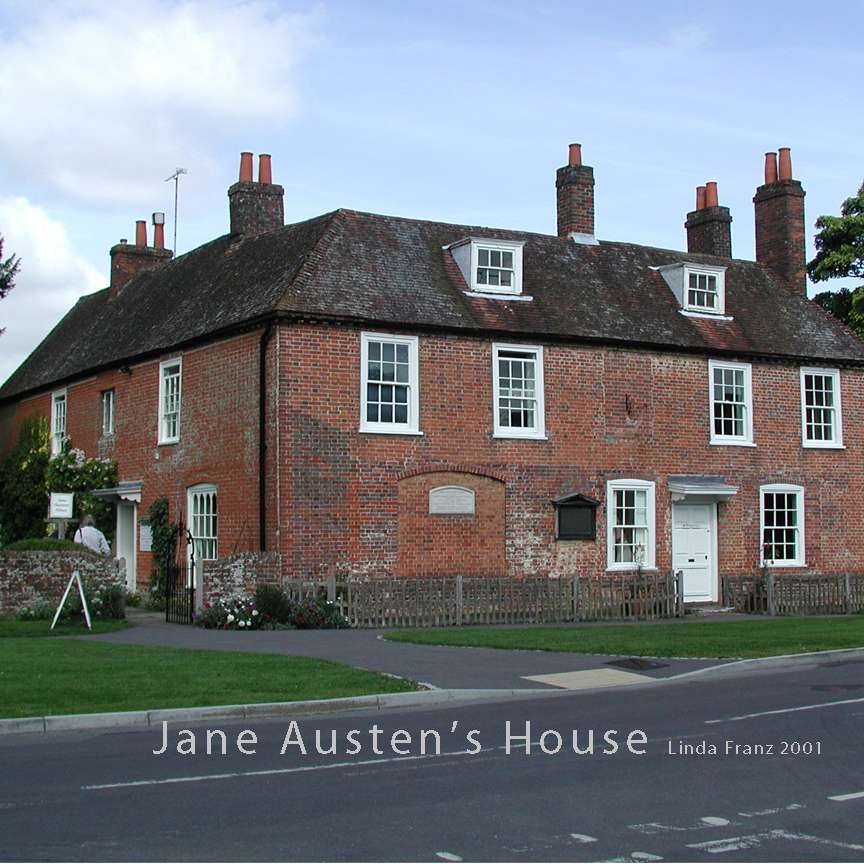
{"x":27,"y":578}
{"x":238,"y":575}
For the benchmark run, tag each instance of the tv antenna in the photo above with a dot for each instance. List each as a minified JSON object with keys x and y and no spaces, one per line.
{"x":176,"y":178}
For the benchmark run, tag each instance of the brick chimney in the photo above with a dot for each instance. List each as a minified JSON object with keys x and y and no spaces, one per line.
{"x":255,"y":207}
{"x":127,"y":259}
{"x":575,"y":187}
{"x":709,"y":226}
{"x":779,"y":205}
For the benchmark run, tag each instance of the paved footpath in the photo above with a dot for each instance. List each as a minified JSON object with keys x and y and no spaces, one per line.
{"x":440,"y":666}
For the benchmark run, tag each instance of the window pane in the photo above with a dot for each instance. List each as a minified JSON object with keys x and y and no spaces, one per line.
{"x":483,"y":257}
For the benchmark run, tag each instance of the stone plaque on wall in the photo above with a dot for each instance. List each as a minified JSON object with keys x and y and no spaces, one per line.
{"x":451,"y":499}
{"x":145,"y":536}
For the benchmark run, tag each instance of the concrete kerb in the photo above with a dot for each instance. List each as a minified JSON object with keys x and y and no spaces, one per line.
{"x":145,"y":719}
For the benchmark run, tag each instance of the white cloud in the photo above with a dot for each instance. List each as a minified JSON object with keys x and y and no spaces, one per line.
{"x":109,"y":97}
{"x":52,"y":278}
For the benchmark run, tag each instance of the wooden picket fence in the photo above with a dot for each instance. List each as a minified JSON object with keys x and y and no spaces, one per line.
{"x":790,"y":594}
{"x":458,"y":600}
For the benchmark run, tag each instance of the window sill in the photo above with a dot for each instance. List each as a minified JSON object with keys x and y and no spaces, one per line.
{"x":810,"y":445}
{"x":516,"y":437}
{"x":702,"y":313}
{"x":497,"y":295}
{"x":365,"y":431}
{"x":719,"y":442}
{"x":783,"y":565}
{"x":169,"y":442}
{"x":627,"y":568}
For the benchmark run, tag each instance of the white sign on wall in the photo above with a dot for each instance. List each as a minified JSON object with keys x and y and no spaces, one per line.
{"x":451,"y":499}
{"x":145,"y":533}
{"x":61,"y":505}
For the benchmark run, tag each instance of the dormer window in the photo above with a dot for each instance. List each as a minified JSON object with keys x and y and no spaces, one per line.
{"x":489,"y":266}
{"x":702,"y":291}
{"x":495,"y":268}
{"x":699,"y":288}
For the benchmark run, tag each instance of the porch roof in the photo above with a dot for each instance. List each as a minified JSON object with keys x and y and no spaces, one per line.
{"x":707,"y":485}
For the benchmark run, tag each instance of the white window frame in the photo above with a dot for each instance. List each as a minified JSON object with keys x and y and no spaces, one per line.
{"x":783,"y":488}
{"x":539,"y":430}
{"x":720,"y":274}
{"x":412,"y":427}
{"x":836,"y":443}
{"x":497,"y":246}
{"x":649,"y":487}
{"x":57,"y":438}
{"x":107,"y":398}
{"x":203,"y":489}
{"x":161,"y":437}
{"x":745,"y":440}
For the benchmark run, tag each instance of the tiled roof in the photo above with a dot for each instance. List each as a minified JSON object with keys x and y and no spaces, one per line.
{"x":395,"y":272}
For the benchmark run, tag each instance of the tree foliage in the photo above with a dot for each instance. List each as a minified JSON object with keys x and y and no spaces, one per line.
{"x":164,"y":535}
{"x":71,"y":471}
{"x":840,"y":242}
{"x":23,"y":492}
{"x":8,"y":271}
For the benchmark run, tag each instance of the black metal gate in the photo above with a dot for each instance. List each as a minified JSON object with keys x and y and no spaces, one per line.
{"x":180,"y":582}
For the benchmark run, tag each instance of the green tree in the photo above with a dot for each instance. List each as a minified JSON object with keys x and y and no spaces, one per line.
{"x":23,"y":493}
{"x":71,"y":471}
{"x":839,"y":253}
{"x":8,"y":271}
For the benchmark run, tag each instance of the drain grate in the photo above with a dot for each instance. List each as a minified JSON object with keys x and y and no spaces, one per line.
{"x":636,"y":663}
{"x":837,"y":688}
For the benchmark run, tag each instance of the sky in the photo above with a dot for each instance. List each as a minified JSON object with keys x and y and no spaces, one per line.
{"x":451,"y":111}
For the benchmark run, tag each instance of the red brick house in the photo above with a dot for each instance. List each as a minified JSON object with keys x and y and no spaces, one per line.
{"x":374,"y":395}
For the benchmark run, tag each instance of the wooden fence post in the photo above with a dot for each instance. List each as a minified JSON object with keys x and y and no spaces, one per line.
{"x":770,"y":587}
{"x":459,"y":606}
{"x":576,"y":598}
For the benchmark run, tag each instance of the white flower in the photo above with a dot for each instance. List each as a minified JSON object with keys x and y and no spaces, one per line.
{"x":241,"y":623}
{"x":230,"y":618}
{"x":254,"y":611}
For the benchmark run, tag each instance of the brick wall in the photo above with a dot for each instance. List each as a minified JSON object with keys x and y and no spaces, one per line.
{"x":239,"y":575}
{"x":218,"y":434}
{"x":610,"y":413}
{"x":27,"y":578}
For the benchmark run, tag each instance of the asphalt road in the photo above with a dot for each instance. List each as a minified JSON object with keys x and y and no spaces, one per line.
{"x":105,"y":796}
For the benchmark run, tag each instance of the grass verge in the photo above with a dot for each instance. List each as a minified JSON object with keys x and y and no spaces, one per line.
{"x":12,"y":627}
{"x":57,"y":676}
{"x":722,"y":639}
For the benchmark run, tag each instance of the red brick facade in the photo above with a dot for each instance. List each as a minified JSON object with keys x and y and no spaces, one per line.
{"x":343,"y":501}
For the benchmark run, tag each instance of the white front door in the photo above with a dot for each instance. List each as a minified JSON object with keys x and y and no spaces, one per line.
{"x":693,"y":545}
{"x":125,"y":541}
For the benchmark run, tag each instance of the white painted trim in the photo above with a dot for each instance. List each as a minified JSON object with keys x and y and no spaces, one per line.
{"x":131,"y":569}
{"x":539,"y":431}
{"x":801,"y":560}
{"x":705,"y":270}
{"x":468,"y":263}
{"x":650,"y":517}
{"x":178,"y":361}
{"x":837,"y":442}
{"x":57,"y":442}
{"x":710,"y":315}
{"x":480,"y":295}
{"x":747,"y":439}
{"x":194,"y":579}
{"x":412,"y":427}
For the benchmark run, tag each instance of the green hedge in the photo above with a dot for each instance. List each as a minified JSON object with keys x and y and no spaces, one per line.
{"x":37,"y":544}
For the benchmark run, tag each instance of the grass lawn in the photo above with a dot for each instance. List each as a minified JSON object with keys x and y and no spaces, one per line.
{"x":14,"y":627}
{"x":733,"y":639}
{"x":60,"y":676}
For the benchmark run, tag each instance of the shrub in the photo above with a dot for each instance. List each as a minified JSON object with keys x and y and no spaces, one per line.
{"x":41,"y":611}
{"x":237,"y":613}
{"x":133,"y":599}
{"x":47,"y":544}
{"x":273,"y":604}
{"x":23,"y":494}
{"x":314,"y":614}
{"x":164,"y":534}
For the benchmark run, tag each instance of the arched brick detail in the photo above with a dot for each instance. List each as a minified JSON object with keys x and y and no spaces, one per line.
{"x":451,"y":544}
{"x":455,"y":469}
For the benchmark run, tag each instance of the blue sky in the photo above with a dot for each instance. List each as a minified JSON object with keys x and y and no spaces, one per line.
{"x":451,"y":111}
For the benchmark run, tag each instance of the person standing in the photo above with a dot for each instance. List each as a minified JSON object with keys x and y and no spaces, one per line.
{"x":90,"y":536}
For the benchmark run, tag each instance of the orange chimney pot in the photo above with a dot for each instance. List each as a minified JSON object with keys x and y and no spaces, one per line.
{"x":575,"y":156}
{"x":785,"y":163}
{"x":245,"y":167}
{"x":770,"y":167}
{"x":265,"y":170}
